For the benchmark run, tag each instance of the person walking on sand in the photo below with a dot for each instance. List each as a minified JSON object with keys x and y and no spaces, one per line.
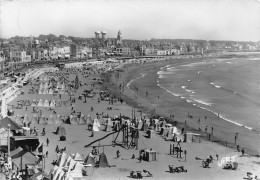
{"x":47,"y":142}
{"x":243,"y":152}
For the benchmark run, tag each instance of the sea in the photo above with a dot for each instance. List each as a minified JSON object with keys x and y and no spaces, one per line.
{"x":229,"y":88}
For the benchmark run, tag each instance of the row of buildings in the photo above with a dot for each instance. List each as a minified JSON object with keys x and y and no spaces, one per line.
{"x":50,"y":47}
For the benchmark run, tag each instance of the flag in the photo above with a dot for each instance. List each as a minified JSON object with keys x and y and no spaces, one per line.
{"x":40,"y":148}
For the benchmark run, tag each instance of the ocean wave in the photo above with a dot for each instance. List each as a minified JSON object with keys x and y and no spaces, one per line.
{"x":187,"y":90}
{"x":203,"y":102}
{"x":215,"y":85}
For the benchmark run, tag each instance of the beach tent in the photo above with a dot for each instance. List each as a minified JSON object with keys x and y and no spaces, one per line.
{"x":34,"y":119}
{"x":52,"y":103}
{"x":62,"y":159}
{"x":71,"y":164}
{"x":46,"y":86}
{"x":40,"y":175}
{"x":41,"y":85}
{"x":58,"y":174}
{"x":40,"y":91}
{"x":42,"y":120}
{"x":103,"y":160}
{"x":90,"y":160}
{"x":51,"y":120}
{"x":58,"y":103}
{"x":46,"y":103}
{"x":73,"y":120}
{"x":27,"y":102}
{"x":64,"y":103}
{"x":109,"y":125}
{"x":67,"y":162}
{"x":89,"y":120}
{"x":26,"y":119}
{"x":77,"y":157}
{"x":18,"y":119}
{"x":61,"y":131}
{"x":40,"y":103}
{"x":34,"y":103}
{"x":82,"y":119}
{"x":96,"y":125}
{"x":58,"y":120}
{"x":16,"y":151}
{"x":53,"y":170}
{"x":45,"y":91}
{"x":76,"y":171}
{"x":191,"y":137}
{"x":51,"y":91}
{"x":21,"y":159}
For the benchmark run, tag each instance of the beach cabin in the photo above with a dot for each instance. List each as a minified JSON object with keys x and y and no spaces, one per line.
{"x":191,"y":137}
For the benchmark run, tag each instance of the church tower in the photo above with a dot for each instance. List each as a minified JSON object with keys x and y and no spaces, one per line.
{"x":119,"y":38}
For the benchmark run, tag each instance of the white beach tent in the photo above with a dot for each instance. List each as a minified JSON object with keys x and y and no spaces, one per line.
{"x":96,"y":125}
{"x":45,"y":91}
{"x":46,"y":103}
{"x":40,"y":91}
{"x":52,"y":103}
{"x":40,"y":103}
{"x":51,"y":120}
{"x":76,"y":171}
{"x":77,"y":157}
{"x":51,"y":91}
{"x":42,"y":120}
{"x":58,"y":120}
{"x":46,"y":86}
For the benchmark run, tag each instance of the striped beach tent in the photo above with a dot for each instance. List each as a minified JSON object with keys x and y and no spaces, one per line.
{"x":82,"y":119}
{"x":42,"y":120}
{"x":34,"y":119}
{"x":18,"y":119}
{"x":46,"y":103}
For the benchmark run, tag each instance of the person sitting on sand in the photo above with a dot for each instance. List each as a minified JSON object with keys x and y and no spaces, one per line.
{"x":94,"y":151}
{"x":118,"y":154}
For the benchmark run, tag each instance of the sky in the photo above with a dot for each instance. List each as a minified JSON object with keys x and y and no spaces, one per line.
{"x":236,"y":20}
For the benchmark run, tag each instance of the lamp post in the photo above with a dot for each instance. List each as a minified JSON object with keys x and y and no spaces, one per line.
{"x":9,"y":157}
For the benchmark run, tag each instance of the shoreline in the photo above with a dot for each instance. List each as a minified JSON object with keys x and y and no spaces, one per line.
{"x":139,"y":101}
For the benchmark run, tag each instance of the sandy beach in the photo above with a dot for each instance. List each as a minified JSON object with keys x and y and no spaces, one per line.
{"x":156,"y":102}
